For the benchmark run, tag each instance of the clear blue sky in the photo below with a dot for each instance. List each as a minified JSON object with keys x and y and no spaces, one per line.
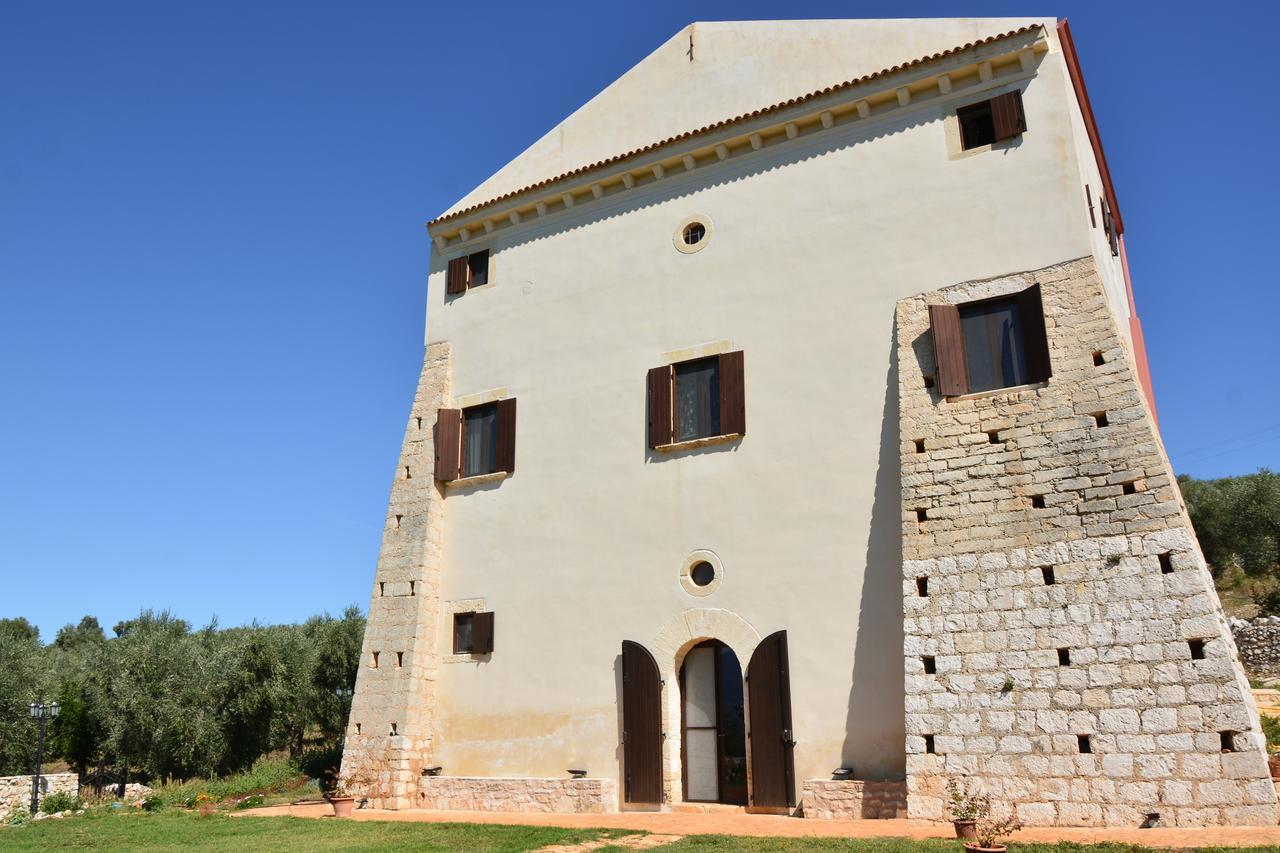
{"x":212,"y":261}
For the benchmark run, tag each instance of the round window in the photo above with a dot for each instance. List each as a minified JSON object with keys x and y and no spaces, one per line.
{"x":702,"y":573}
{"x":693,"y":233}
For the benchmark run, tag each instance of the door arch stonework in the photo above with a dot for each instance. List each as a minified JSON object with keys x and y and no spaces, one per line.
{"x":670,"y":645}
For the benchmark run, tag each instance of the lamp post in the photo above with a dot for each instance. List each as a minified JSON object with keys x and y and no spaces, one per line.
{"x":42,"y":712}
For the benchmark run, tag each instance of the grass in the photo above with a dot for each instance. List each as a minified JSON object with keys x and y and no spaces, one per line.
{"x":267,"y":775}
{"x":173,"y":829}
{"x":126,"y":830}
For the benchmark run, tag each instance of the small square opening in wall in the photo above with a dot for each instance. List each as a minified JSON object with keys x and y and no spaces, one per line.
{"x":419,"y":423}
{"x":1037,"y":501}
{"x":412,"y":587}
{"x":993,"y":437}
{"x":407,"y":475}
{"x":393,"y":730}
{"x":928,"y":745}
{"x":919,"y":445}
{"x":1099,"y":359}
{"x":1084,"y":744}
{"x":1129,"y":488}
{"x":922,"y":587}
{"x":1100,"y":419}
{"x":398,"y":517}
{"x":1064,"y":657}
{"x":1166,"y":563}
{"x":1046,"y":572}
{"x":1197,"y":649}
{"x":922,"y":515}
{"x":930,"y":665}
{"x":1228,"y":741}
{"x":375,"y":660}
{"x":399,"y":660}
{"x":382,"y":589}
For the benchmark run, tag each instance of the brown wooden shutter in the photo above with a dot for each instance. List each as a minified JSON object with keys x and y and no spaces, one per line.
{"x":478,"y":266}
{"x":506,"y":450}
{"x":948,"y":350}
{"x":458,"y":275}
{"x":482,"y":634}
{"x":1007,"y":115}
{"x":733,"y":403}
{"x":1034,"y":339}
{"x":448,"y":444}
{"x":772,"y":739}
{"x":641,"y":725}
{"x":660,"y":430}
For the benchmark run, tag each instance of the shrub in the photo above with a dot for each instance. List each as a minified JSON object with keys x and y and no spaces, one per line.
{"x":60,"y":801}
{"x":1271,"y":730}
{"x":152,"y":803}
{"x":250,"y":802}
{"x":322,"y":764}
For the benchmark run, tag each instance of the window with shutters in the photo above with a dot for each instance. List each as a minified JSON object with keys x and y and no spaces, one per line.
{"x":476,"y":441}
{"x":697,"y":399}
{"x":990,"y":344}
{"x":991,"y":121}
{"x":466,"y":271}
{"x":473,"y":633}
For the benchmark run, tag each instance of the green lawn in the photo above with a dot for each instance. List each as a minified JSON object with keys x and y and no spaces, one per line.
{"x":174,"y":829}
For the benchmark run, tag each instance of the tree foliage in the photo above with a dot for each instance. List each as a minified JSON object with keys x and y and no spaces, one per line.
{"x":170,"y":702}
{"x":1237,"y":520}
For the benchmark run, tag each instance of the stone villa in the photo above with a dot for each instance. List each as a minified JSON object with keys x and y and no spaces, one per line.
{"x":839,"y":471}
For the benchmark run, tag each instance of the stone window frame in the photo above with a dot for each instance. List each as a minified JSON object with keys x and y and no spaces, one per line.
{"x":462,"y":605}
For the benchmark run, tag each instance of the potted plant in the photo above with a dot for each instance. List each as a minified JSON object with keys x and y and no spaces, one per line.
{"x":342,"y":795}
{"x":966,"y":809}
{"x":989,"y":833}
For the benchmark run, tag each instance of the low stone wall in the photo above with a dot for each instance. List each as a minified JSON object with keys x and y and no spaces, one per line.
{"x":485,"y":794}
{"x":1259,"y":645}
{"x":15,"y":791}
{"x":832,"y":799}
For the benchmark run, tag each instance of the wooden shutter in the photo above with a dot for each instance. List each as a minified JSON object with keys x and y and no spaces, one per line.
{"x":1007,"y":115}
{"x":733,"y":404}
{"x":458,"y":276}
{"x":641,"y":725}
{"x":505,"y":455}
{"x":478,"y":267}
{"x":660,"y":429}
{"x":448,"y":444}
{"x":772,"y":742}
{"x":1034,"y":339}
{"x":948,"y":350}
{"x":482,"y":634}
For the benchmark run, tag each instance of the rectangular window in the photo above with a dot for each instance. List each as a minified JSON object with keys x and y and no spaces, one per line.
{"x":479,"y":440}
{"x":991,"y":121}
{"x":467,"y":271}
{"x":697,"y":399}
{"x":990,"y":344}
{"x":994,"y":350}
{"x":463,"y":630}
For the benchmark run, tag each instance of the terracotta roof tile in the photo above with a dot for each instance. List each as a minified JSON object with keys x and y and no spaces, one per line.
{"x":736,"y":119}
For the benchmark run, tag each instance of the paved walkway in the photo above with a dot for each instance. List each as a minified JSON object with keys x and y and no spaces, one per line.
{"x":685,"y":823}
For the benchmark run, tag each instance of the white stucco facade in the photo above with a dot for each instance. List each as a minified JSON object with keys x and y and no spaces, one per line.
{"x":848,"y":204}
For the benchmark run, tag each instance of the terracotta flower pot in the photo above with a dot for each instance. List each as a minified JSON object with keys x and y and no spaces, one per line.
{"x":1273,"y":761}
{"x":966,"y":829}
{"x":978,"y":848}
{"x":342,"y":806}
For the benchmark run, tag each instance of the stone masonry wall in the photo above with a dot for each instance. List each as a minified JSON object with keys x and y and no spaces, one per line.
{"x":853,"y":799}
{"x":561,"y":796}
{"x":15,"y":791}
{"x":389,"y":733}
{"x":1047,"y":625}
{"x":1259,"y":645}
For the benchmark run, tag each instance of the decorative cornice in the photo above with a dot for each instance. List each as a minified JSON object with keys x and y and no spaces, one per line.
{"x":993,"y":62}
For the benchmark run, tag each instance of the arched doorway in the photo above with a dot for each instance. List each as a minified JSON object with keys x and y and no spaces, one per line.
{"x":713,"y":725}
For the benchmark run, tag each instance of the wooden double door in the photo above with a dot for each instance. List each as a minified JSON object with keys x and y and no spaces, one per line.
{"x":714,"y":730}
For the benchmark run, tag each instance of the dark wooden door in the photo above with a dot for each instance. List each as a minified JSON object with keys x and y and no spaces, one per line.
{"x":641,"y":725}
{"x":772,"y":744}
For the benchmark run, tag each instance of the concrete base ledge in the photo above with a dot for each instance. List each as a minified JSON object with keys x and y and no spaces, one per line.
{"x":510,"y":794}
{"x":853,"y":799}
